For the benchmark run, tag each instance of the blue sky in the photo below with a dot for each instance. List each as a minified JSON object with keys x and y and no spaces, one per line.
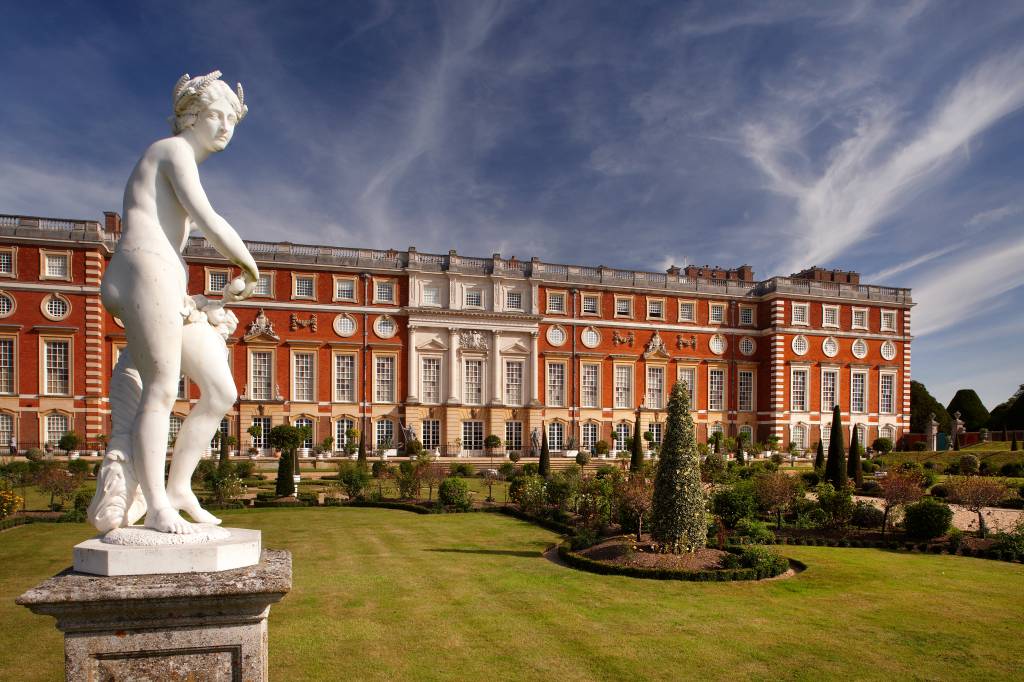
{"x":879,"y":137}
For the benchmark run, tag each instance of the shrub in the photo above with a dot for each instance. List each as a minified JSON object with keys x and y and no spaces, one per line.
{"x":757,"y":531}
{"x":866,"y":515}
{"x":583,"y":458}
{"x":882,"y":445}
{"x":507,"y":470}
{"x":837,"y":504}
{"x":204,"y":471}
{"x":968,"y":465}
{"x":733,"y":504}
{"x":354,"y":479}
{"x":1011,"y":541}
{"x":34,"y":455}
{"x":245,"y":469}
{"x":9,"y":502}
{"x":920,"y":446}
{"x":378,"y":469}
{"x":514,"y":456}
{"x":939,"y":490}
{"x":1012,"y":470}
{"x":530,"y":469}
{"x":712,"y":467}
{"x":461,"y":469}
{"x":607,"y":471}
{"x":871,"y":488}
{"x":79,"y":467}
{"x":810,"y":478}
{"x":927,"y":519}
{"x":765,"y":562}
{"x":454,"y":493}
{"x":531,"y":494}
{"x":601,"y":447}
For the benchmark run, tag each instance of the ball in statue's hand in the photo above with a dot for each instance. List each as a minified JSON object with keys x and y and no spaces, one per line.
{"x":236,"y":287}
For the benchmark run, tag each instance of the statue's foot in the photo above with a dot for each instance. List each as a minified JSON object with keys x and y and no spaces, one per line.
{"x":189,"y":504}
{"x":167,"y":520}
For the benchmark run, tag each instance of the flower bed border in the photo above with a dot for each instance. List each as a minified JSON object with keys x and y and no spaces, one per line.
{"x":578,"y":561}
{"x":900,"y":546}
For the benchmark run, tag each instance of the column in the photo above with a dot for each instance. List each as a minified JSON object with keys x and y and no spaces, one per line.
{"x":534,"y":369}
{"x":412,"y":379}
{"x":453,"y":360}
{"x":496,"y":383}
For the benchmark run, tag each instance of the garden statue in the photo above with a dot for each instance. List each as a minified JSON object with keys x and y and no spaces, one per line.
{"x":169,"y":332}
{"x":535,"y":442}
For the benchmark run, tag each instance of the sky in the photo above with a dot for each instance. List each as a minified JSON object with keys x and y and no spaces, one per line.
{"x":879,"y":137}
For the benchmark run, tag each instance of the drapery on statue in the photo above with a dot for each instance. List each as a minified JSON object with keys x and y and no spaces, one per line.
{"x":169,"y":332}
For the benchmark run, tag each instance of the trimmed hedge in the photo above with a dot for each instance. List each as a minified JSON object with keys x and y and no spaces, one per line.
{"x":401,"y":506}
{"x":547,"y":524}
{"x":583,"y":563}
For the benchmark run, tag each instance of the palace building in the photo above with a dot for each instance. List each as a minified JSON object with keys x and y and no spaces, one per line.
{"x":459,"y":348}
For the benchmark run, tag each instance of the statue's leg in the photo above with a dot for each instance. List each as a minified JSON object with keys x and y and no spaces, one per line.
{"x":154,"y":328}
{"x":204,"y":361}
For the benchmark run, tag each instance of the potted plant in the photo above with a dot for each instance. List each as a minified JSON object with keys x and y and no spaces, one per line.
{"x":69,"y":443}
{"x":351,"y":441}
{"x":570,"y":447}
{"x":601,"y":449}
{"x":649,"y":439}
{"x":254,"y":431}
{"x":492,"y":443}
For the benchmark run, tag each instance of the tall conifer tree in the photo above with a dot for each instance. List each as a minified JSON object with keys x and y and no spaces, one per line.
{"x":544,"y":465}
{"x":677,"y":516}
{"x":853,"y":470}
{"x":636,"y":460}
{"x":835,"y":465}
{"x":819,"y":458}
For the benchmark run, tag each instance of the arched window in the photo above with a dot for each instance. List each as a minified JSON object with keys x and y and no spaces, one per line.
{"x":884,"y":432}
{"x":588,"y":437}
{"x":173,"y":428}
{"x":748,"y":431}
{"x":826,"y":436}
{"x":305,"y":422}
{"x":798,"y":436}
{"x":341,"y":429}
{"x":385,"y":436}
{"x":556,"y":436}
{"x":57,"y":425}
{"x":621,"y":435}
{"x":862,"y":435}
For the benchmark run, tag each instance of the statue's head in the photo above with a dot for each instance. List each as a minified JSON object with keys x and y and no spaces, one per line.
{"x":209,"y":107}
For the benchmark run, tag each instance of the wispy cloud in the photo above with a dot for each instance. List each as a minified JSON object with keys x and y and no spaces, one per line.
{"x":994,"y":215}
{"x":966,"y":289}
{"x":879,"y":167}
{"x":882,"y":275}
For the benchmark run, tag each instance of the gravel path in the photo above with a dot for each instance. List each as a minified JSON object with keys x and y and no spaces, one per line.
{"x":995,"y":518}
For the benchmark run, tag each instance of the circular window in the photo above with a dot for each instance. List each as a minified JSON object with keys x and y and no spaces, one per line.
{"x":56,"y":307}
{"x":747,"y":345}
{"x":717,"y":344}
{"x":830,"y":347}
{"x":556,"y":335}
{"x":591,"y":338}
{"x":860,"y":349}
{"x":384,"y":327}
{"x":888,"y":350}
{"x":118,"y":322}
{"x":344,"y":325}
{"x":800,"y":345}
{"x":6,"y":304}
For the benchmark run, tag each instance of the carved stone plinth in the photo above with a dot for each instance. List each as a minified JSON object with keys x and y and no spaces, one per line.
{"x":195,"y":626}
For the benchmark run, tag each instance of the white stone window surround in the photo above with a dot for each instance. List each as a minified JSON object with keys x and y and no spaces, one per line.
{"x":262,"y":362}
{"x":431,"y":379}
{"x":859,"y":318}
{"x":688,"y":311}
{"x":56,"y":358}
{"x":859,"y":391}
{"x":860,"y":349}
{"x":557,"y":302}
{"x":746,"y":389}
{"x":622,"y":387}
{"x":344,"y":382}
{"x":829,"y":316}
{"x":716,"y":313}
{"x":888,"y":350}
{"x":747,"y":346}
{"x":556,"y":335}
{"x":590,"y":337}
{"x":800,"y":314}
{"x":717,"y":344}
{"x":515,"y":387}
{"x":265,"y":286}
{"x":654,"y":387}
{"x":9,"y":261}
{"x":556,"y":436}
{"x":303,"y":377}
{"x":888,"y":319}
{"x":718,"y":398}
{"x":623,"y":306}
{"x":800,"y":345}
{"x":215,"y":280}
{"x":473,"y":383}
{"x":830,"y":347}
{"x":346,"y":288}
{"x":688,"y":374}
{"x":748,"y":315}
{"x":384,"y":290}
{"x":385,"y":327}
{"x":385,"y":377}
{"x":555,"y":375}
{"x":887,"y":392}
{"x":514,"y":300}
{"x":799,"y":387}
{"x":655,"y":308}
{"x":513,"y":435}
{"x":304,"y":286}
{"x":473,"y":298}
{"x":590,"y":304}
{"x":830,"y":387}
{"x":55,"y":264}
{"x":8,"y":304}
{"x":345,"y":325}
{"x":590,"y":385}
{"x":8,"y":365}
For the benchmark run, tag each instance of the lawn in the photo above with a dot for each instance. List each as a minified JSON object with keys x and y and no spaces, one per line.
{"x":384,"y":595}
{"x":995,"y":458}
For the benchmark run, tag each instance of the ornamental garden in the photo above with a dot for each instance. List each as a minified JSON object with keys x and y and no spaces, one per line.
{"x":606,"y":565}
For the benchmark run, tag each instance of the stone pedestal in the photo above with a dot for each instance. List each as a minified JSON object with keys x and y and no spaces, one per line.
{"x":191,"y":626}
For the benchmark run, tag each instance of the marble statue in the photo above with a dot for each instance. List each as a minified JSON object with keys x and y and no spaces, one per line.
{"x":169,"y":332}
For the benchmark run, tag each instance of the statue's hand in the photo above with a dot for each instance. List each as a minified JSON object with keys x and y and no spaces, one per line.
{"x":239,"y":289}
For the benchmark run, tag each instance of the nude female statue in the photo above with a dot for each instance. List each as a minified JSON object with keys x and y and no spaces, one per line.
{"x":169,"y":333}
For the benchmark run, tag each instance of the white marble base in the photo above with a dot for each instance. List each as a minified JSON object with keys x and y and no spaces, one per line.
{"x":147,"y":555}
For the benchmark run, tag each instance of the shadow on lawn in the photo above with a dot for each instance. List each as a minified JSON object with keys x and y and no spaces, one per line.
{"x":496,"y":552}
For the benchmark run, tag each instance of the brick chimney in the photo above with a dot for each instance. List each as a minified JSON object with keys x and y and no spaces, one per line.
{"x":112,"y":222}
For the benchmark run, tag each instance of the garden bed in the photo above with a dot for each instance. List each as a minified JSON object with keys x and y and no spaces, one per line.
{"x":626,"y":551}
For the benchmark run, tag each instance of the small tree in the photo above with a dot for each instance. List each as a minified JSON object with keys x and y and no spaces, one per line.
{"x":70,"y":441}
{"x":969,"y":465}
{"x":635,"y":499}
{"x":835,"y":465}
{"x":636,"y":459}
{"x":601,"y":448}
{"x":819,"y":458}
{"x":677,"y":514}
{"x":354,"y":479}
{"x":433,"y":474}
{"x":740,"y":459}
{"x":287,"y":439}
{"x":351,"y":440}
{"x":975,"y":493}
{"x":899,"y":488}
{"x":853,"y":468}
{"x":775,"y":492}
{"x":490,"y":477}
{"x":254,"y":431}
{"x":361,"y":459}
{"x":544,"y":465}
{"x":1013,"y":444}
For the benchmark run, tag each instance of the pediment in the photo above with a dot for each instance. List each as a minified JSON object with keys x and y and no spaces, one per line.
{"x":261,"y":337}
{"x":517,"y":347}
{"x":432,"y":344}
